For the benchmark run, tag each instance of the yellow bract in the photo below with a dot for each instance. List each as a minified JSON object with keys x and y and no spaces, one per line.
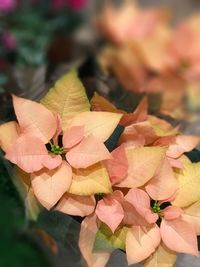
{"x":162,"y":257}
{"x":143,"y":163}
{"x":67,"y":98}
{"x":90,"y":181}
{"x":188,"y":185}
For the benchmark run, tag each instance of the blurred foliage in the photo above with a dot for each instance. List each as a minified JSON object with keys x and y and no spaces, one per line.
{"x":31,"y":28}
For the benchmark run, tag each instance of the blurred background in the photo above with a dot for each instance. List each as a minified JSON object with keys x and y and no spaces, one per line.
{"x":40,"y":40}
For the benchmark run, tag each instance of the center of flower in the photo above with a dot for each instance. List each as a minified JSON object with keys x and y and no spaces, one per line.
{"x":156,"y":207}
{"x":56,"y":149}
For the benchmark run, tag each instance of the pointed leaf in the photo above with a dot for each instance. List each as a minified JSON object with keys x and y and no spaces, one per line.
{"x":143,"y":164}
{"x":9,"y":133}
{"x":141,"y":242}
{"x":90,"y":151}
{"x":106,"y":240}
{"x":131,"y":216}
{"x":117,"y":167}
{"x":67,"y":98}
{"x":100,"y":103}
{"x":141,"y":202}
{"x":179,"y":236}
{"x":49,"y":186}
{"x":73,"y":136}
{"x":188,"y":185}
{"x":162,"y":257}
{"x":30,"y":154}
{"x":100,"y":124}
{"x":163,"y":184}
{"x":90,"y":181}
{"x":172,"y":213}
{"x":76,"y":205}
{"x":34,"y":119}
{"x":86,"y":241}
{"x":182,"y":144}
{"x":110,"y":211}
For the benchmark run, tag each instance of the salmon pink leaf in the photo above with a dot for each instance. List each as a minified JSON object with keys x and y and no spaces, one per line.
{"x":163,"y":184}
{"x":88,"y":231}
{"x":50,"y":186}
{"x":76,"y":205}
{"x":110,"y":211}
{"x":34,"y":119}
{"x":182,"y":144}
{"x":141,"y":202}
{"x":172,"y":213}
{"x":117,"y":167}
{"x":144,"y":240}
{"x":178,"y":235}
{"x":90,"y":151}
{"x":31,"y":155}
{"x":73,"y":136}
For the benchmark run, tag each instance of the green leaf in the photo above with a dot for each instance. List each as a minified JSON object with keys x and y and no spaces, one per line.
{"x":105,"y":239}
{"x":67,"y":98}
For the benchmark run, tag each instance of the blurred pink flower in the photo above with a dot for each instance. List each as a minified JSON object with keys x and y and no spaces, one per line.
{"x":7,"y":5}
{"x":9,"y":40}
{"x":75,"y":5}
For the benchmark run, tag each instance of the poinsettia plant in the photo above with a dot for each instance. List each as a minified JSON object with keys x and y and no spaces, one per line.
{"x":125,"y":173}
{"x":146,"y":54}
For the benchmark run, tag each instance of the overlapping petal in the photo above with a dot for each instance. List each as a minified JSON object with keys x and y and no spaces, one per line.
{"x":89,"y":228}
{"x":110,"y":211}
{"x":99,"y":124}
{"x":90,"y":151}
{"x":144,"y":241}
{"x":178,"y":235}
{"x":50,"y":186}
{"x":73,"y":136}
{"x":143,"y":164}
{"x":76,"y":205}
{"x":163,"y":184}
{"x":141,"y":202}
{"x":117,"y":167}
{"x":34,"y":119}
{"x":31,"y":155}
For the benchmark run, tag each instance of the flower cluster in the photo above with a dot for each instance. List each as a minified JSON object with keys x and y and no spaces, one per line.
{"x":142,"y":196}
{"x":147,"y":55}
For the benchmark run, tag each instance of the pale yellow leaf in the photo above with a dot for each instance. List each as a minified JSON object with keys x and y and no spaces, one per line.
{"x":192,"y":215}
{"x":90,"y":181}
{"x":143,"y":164}
{"x":67,"y":98}
{"x":9,"y":132}
{"x":188,"y":185}
{"x":162,"y":257}
{"x":99,"y":124}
